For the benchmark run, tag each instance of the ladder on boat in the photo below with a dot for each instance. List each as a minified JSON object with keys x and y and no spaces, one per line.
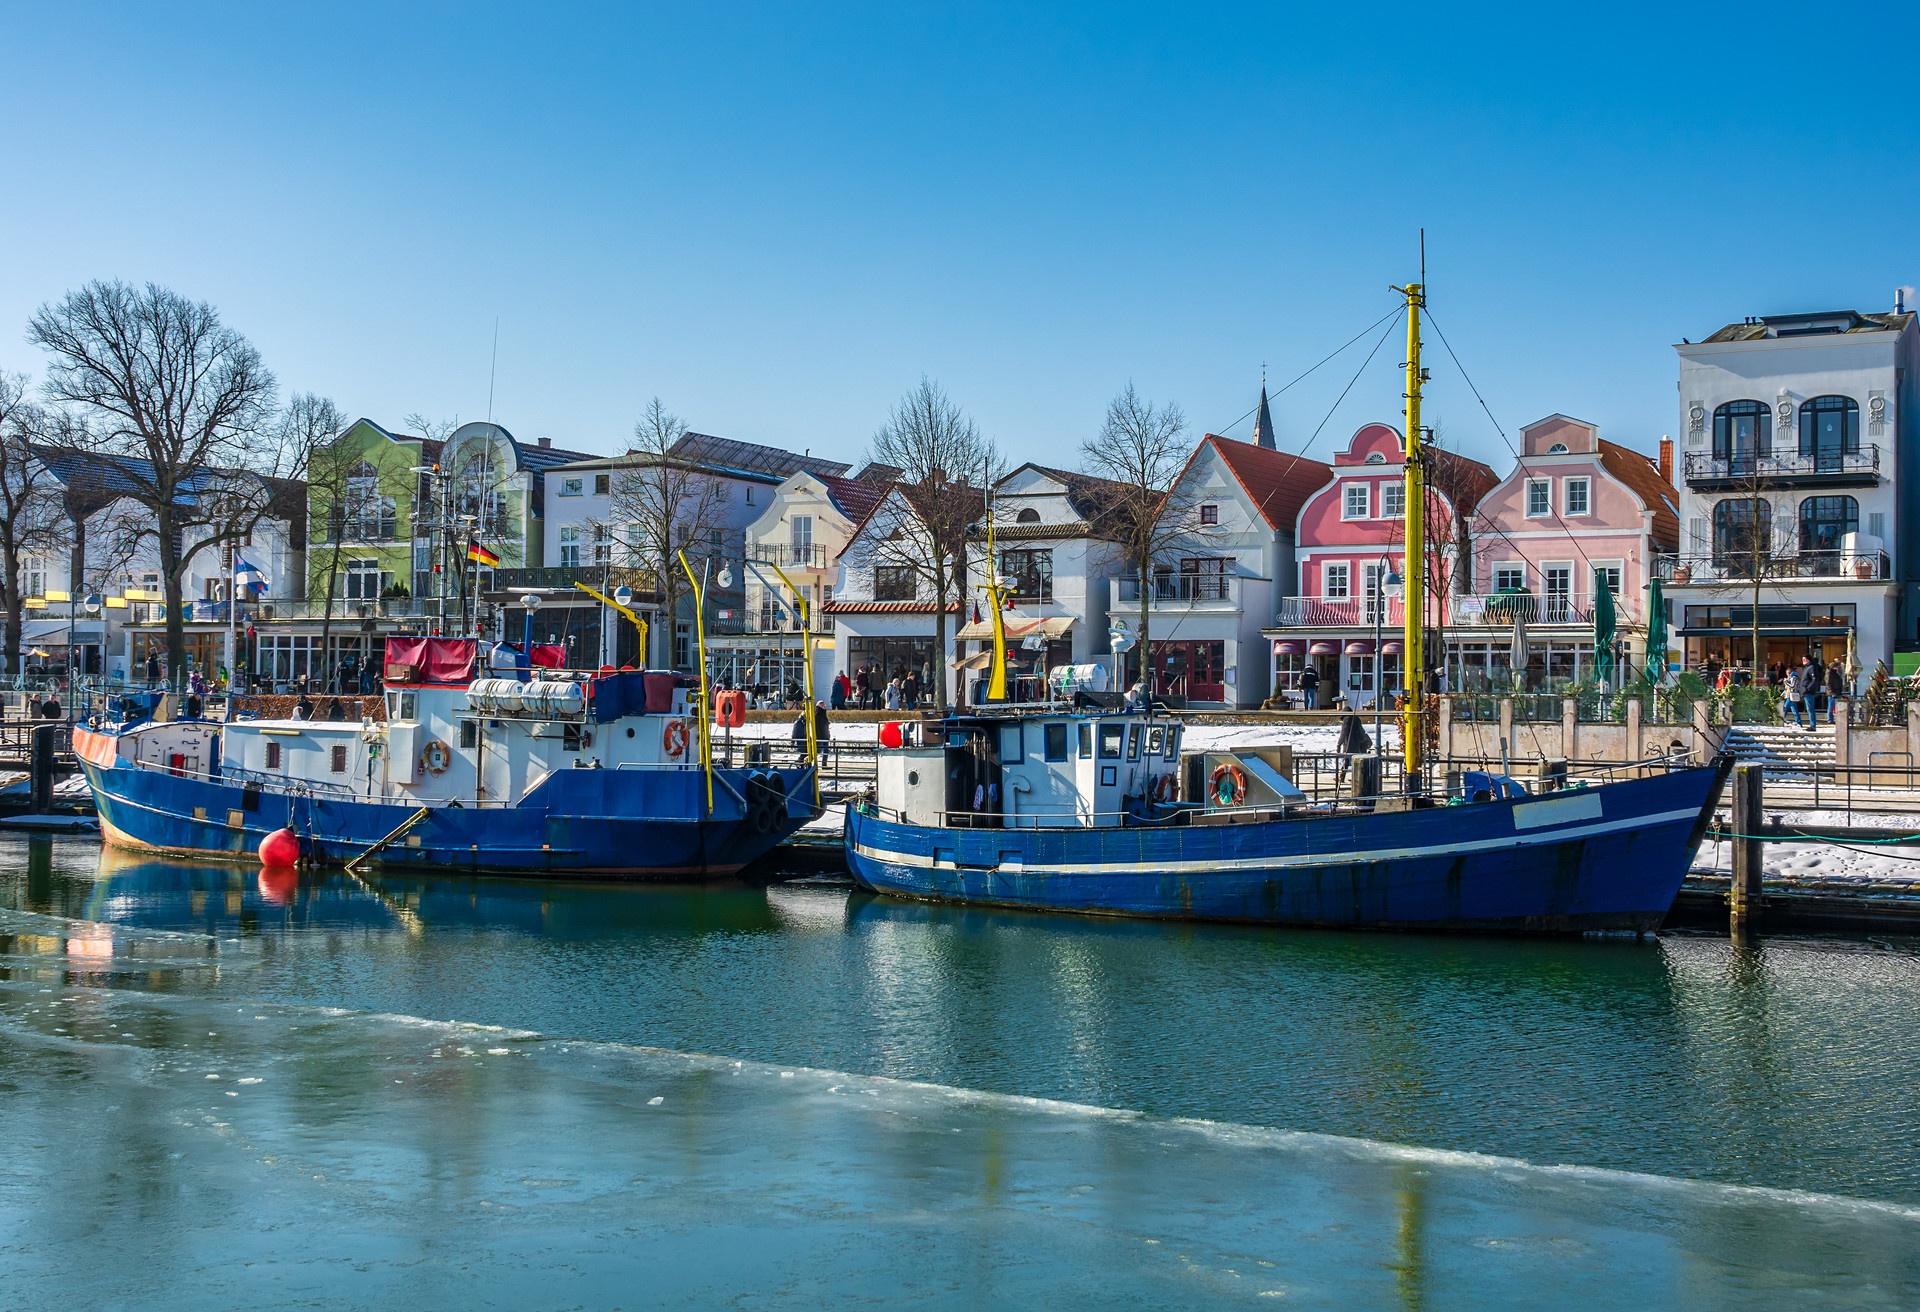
{"x":353,"y":866}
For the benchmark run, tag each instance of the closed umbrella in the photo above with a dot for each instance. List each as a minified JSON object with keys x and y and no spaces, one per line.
{"x":1603,"y":626}
{"x":1656,"y":634}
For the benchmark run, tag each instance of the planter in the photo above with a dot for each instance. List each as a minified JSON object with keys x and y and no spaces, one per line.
{"x":1683,"y":574}
{"x":1863,"y":569}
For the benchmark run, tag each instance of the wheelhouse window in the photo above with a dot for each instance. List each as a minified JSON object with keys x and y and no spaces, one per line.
{"x":1743,"y":535}
{"x":1829,"y":429}
{"x":1742,"y":431}
{"x":894,"y":583}
{"x":1824,"y":524}
{"x":1112,"y":739}
{"x":1056,"y":742}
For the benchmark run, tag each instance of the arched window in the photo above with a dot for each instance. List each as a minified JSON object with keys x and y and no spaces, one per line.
{"x":1743,"y":536}
{"x":1742,"y":432}
{"x":1557,"y":449}
{"x":1824,"y":521}
{"x":1375,"y":458}
{"x":1829,"y":429}
{"x":1028,"y":516}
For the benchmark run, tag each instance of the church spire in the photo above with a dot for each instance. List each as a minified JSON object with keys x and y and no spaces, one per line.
{"x":1263,"y":422}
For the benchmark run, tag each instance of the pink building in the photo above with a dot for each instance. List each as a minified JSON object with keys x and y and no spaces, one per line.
{"x":1350,"y":534}
{"x":1575,"y":509}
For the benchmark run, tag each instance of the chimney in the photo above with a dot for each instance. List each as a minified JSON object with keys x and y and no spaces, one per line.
{"x":1900,"y":295}
{"x":1666,"y":458}
{"x":546,"y":441}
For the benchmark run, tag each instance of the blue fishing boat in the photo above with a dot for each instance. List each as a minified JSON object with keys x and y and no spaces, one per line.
{"x":570,"y":774}
{"x":1062,"y":807}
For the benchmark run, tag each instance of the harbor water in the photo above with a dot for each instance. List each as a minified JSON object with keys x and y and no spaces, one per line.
{"x":227,"y":1087}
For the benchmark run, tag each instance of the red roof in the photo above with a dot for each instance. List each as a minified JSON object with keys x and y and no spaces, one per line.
{"x":855,"y":497}
{"x":1278,"y":482}
{"x":883,"y":607}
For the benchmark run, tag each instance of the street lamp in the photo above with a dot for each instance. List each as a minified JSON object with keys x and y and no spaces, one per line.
{"x":1391,"y":585}
{"x":531,"y":601}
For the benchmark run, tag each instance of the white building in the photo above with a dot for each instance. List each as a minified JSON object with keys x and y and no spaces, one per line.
{"x":1795,"y":427}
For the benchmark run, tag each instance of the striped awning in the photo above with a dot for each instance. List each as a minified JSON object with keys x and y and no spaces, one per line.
{"x":1017,"y":626}
{"x":1289,"y":647}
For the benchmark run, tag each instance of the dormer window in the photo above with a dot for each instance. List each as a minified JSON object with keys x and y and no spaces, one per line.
{"x":1027,"y":516}
{"x":1375,"y":458}
{"x":1557,"y":449}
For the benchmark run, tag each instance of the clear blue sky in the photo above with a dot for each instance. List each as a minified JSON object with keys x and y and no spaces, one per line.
{"x":778,"y":218}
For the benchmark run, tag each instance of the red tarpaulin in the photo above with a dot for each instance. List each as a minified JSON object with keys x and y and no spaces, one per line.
{"x":438,"y":660}
{"x":550,"y":655}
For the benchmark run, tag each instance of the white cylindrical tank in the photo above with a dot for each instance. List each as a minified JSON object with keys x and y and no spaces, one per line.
{"x":1079,"y":678}
{"x":566,"y":699}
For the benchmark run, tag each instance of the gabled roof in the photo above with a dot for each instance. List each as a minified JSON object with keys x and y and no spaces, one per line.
{"x":539,"y":458}
{"x":1824,"y":324}
{"x":855,"y":499}
{"x":1659,"y":496}
{"x":875,"y":472}
{"x":1094,"y":499}
{"x":751,"y":457}
{"x":1278,"y":483}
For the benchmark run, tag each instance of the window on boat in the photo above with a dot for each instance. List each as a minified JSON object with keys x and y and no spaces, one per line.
{"x":1133,"y":742}
{"x":273,"y":756}
{"x":393,"y":706}
{"x":1056,"y":742}
{"x":469,"y":733}
{"x":1156,"y":738}
{"x":1086,"y":742}
{"x":1010,"y":750}
{"x":1112,"y":737}
{"x":338,"y":763}
{"x":408,"y":704}
{"x":1173,"y":742}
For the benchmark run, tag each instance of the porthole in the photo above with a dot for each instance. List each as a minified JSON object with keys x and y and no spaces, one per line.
{"x":913,"y":778}
{"x":629,"y":733}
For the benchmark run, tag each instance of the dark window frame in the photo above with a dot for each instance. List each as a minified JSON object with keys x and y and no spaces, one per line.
{"x":1723,"y":425}
{"x":1056,"y":742}
{"x":1811,"y":411}
{"x":1032,"y":570}
{"x":896,"y":583}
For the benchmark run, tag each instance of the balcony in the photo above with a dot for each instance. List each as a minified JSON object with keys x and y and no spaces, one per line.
{"x":1341,"y":612}
{"x":794,"y":555}
{"x":1870,"y":566}
{"x":1506,"y":609}
{"x":561,"y":578}
{"x":1211,"y":591}
{"x":1706,"y":472}
{"x":360,"y":532}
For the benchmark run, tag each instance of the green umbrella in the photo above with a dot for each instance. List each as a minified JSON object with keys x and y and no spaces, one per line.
{"x":1603,"y":625}
{"x":1656,"y":634}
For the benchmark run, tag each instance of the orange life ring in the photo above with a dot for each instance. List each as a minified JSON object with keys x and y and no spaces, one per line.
{"x":436,"y":756}
{"x":1236,"y":791}
{"x":673,"y":739}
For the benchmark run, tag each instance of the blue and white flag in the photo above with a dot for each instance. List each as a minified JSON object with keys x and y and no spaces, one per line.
{"x":251,"y":577}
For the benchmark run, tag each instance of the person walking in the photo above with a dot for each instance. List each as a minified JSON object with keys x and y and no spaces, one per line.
{"x":1353,"y":741}
{"x":839,"y":694}
{"x":1836,"y":687}
{"x":1793,"y":690}
{"x":893,"y":694}
{"x":1310,"y":687}
{"x":910,"y":691}
{"x":863,"y":684}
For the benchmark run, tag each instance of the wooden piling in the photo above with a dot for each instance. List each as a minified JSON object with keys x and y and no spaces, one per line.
{"x":1744,"y":899}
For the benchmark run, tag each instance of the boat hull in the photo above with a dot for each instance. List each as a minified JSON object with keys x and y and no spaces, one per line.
{"x":626,"y":824}
{"x":1609,"y":858}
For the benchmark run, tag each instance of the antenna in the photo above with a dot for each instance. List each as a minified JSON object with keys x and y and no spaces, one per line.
{"x":1423,"y":259}
{"x":494,"y":368}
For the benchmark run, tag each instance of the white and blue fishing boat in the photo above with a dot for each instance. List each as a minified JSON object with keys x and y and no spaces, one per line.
{"x":1065,"y":807}
{"x":571,"y":774}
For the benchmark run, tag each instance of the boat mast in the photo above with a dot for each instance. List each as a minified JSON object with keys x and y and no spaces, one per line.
{"x":997,"y":680}
{"x":1412,"y":661}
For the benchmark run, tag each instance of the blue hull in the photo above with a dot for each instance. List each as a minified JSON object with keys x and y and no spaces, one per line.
{"x":630,"y":824}
{"x":1606,"y":858}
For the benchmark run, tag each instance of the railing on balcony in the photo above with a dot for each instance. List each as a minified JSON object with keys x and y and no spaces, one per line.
{"x":799,"y":555}
{"x":1508,"y":608}
{"x":1181,"y":588}
{"x":1342,"y":612}
{"x":1735,"y":566}
{"x":359,"y":532}
{"x":558,"y":578}
{"x":1789,"y":466}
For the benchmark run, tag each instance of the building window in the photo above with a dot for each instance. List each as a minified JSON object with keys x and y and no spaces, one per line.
{"x":273,"y":756}
{"x":1609,"y":575}
{"x":363,"y":580}
{"x":1742,"y":430}
{"x":1056,"y":737}
{"x":1393,"y":500}
{"x":1510,"y":578}
{"x":601,"y":482}
{"x":569,"y":546}
{"x":1557,"y":449}
{"x":749,"y":494}
{"x":895,"y":583}
{"x":1027,"y":516}
{"x":1829,"y":429}
{"x":1743,"y":535}
{"x":337,"y":759}
{"x":570,"y":487}
{"x":1356,"y":504}
{"x":1575,"y":492}
{"x":1032,"y":573}
{"x":1336,"y":581}
{"x":1824,"y":522}
{"x":1539,"y":497}
{"x":1209,"y":514}
{"x":602,"y":545}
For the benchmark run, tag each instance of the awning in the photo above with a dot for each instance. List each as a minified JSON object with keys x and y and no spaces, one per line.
{"x":978,"y":661}
{"x":1392,"y":647}
{"x":1768,"y":631}
{"x":1360,"y":647}
{"x":1017,"y":626}
{"x":1288,"y":647}
{"x":1325,"y":649}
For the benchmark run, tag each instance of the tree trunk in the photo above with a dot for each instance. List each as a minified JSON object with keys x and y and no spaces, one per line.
{"x":941,"y":582}
{"x":170,"y":590}
{"x":1146,"y":609}
{"x":11,"y":597}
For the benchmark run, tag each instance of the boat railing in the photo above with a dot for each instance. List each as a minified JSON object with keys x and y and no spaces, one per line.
{"x":228,"y":774}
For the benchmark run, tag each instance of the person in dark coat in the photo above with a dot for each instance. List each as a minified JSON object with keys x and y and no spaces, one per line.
{"x":1309,"y":687}
{"x":1353,"y":741}
{"x":335,"y":711}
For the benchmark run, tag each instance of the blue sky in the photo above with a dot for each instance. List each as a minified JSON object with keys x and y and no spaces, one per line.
{"x":777,"y":218}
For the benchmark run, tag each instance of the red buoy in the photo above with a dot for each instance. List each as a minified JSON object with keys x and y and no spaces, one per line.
{"x":890,"y":735}
{"x":279,"y":848}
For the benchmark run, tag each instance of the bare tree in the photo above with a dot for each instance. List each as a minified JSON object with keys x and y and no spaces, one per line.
{"x":32,"y":518}
{"x":661,"y":504}
{"x":1141,"y":450}
{"x":333,"y":491}
{"x":945,"y":468}
{"x":180,"y":409}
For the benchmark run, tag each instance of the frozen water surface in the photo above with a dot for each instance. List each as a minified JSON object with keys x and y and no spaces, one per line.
{"x":483,"y":1093}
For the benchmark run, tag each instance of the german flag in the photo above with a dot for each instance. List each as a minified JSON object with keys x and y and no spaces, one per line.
{"x":484,"y":555}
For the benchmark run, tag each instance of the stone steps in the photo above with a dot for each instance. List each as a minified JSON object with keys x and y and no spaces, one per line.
{"x":1782,"y":747}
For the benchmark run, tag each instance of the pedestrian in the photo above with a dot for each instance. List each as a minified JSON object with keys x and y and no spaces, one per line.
{"x":893,"y":694}
{"x":303,"y":709}
{"x":1793,"y":696}
{"x":1836,"y":687}
{"x":800,"y":726}
{"x":838,"y":696}
{"x":1353,"y":741}
{"x":1310,"y":687}
{"x":820,"y":730}
{"x":863,"y":684}
{"x":153,"y":669}
{"x":910,"y":691}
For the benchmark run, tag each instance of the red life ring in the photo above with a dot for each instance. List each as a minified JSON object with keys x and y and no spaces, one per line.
{"x":1236,"y":780}
{"x":673,"y":739}
{"x":436,"y":756}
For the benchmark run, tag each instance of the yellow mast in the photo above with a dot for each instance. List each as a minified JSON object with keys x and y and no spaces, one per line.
{"x":1412,"y":662}
{"x":997,"y":681}
{"x":706,"y":706}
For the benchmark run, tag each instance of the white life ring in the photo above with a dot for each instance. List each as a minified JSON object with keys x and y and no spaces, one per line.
{"x":436,"y":756}
{"x":673,"y":739}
